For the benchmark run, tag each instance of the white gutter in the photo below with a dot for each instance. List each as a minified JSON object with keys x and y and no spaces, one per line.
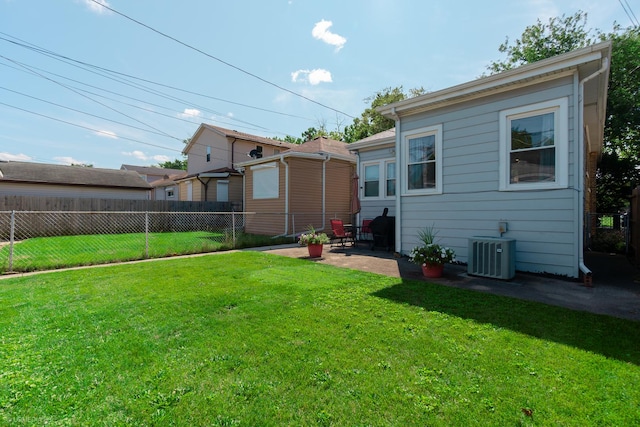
{"x":286,"y":194}
{"x":583,"y":268}
{"x":324,"y":191}
{"x":399,"y":184}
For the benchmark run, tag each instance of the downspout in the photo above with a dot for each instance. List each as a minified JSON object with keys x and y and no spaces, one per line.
{"x":233,"y":143}
{"x":581,"y":156}
{"x":324,"y":190}
{"x":399,"y":184}
{"x":286,"y":194}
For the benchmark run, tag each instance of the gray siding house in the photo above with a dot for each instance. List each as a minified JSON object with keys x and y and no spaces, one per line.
{"x":511,"y":155}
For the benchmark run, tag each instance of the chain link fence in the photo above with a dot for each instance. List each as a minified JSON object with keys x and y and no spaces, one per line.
{"x":37,"y":240}
{"x":43,"y":240}
{"x":608,"y":232}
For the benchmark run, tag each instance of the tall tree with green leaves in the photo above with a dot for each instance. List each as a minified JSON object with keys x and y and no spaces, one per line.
{"x":544,"y":40}
{"x":174,"y":164}
{"x":370,"y":121}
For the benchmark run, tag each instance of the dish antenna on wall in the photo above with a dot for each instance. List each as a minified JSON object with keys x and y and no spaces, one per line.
{"x":256,"y":153}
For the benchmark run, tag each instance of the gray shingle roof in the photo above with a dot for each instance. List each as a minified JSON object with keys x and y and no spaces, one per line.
{"x":40,"y":173}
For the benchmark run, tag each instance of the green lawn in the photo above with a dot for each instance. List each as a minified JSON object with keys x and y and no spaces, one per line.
{"x":252,"y":339}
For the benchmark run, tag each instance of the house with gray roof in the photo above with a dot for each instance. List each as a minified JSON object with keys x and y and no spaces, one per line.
{"x":47,"y":180}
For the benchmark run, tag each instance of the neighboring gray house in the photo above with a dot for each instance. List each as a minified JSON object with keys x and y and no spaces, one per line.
{"x":153,"y":173}
{"x":511,"y":155}
{"x":163,"y":180}
{"x":45,"y":180}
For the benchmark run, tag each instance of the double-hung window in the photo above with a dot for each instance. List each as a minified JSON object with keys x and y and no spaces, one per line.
{"x":534,"y":146}
{"x":379,"y":179}
{"x":423,"y":161}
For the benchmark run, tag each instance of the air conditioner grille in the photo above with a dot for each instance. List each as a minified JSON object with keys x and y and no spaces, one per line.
{"x":492,"y":257}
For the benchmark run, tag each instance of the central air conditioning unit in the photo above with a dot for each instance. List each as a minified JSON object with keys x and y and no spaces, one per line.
{"x":492,"y":257}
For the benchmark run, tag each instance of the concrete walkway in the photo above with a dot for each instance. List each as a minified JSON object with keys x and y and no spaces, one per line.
{"x":615,"y":291}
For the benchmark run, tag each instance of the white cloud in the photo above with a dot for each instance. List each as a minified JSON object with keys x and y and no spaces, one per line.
{"x":106,"y":134}
{"x":136,"y":153}
{"x":14,"y":157}
{"x":190,"y":112}
{"x":66,"y":160}
{"x":314,"y":77}
{"x":161,"y":158}
{"x":97,"y":6}
{"x":321,"y":32}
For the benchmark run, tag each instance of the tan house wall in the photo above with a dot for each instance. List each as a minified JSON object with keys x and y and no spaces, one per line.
{"x":268,"y":218}
{"x":235,"y":190}
{"x":305,"y":198}
{"x":197,"y":156}
{"x":225,"y":152}
{"x":305,"y":194}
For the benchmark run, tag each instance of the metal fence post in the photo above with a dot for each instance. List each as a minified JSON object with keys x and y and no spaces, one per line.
{"x":233,"y":228}
{"x":12,"y":228}
{"x":146,"y":234}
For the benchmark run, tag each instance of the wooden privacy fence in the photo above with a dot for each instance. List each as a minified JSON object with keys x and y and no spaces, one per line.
{"x":29,"y":203}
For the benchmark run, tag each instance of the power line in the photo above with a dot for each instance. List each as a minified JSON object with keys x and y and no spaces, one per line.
{"x":60,"y":57}
{"x":102,"y":132}
{"x":629,"y":12}
{"x":67,"y":60}
{"x":80,"y":111}
{"x":85,"y":96}
{"x":220,"y":60}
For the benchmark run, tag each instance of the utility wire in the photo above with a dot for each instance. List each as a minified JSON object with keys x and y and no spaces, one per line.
{"x":219,"y":60}
{"x":102,"y":132}
{"x":85,"y":96}
{"x":80,"y":111}
{"x":31,"y":46}
{"x":629,"y":12}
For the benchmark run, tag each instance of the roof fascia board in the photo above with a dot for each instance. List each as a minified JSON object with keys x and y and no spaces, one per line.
{"x":355,"y":146}
{"x":553,"y":67}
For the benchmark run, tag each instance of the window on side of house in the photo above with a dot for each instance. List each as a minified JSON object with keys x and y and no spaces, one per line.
{"x":371,"y":180}
{"x":423,"y":161}
{"x":378,"y":179}
{"x":534,"y":146}
{"x":170,"y":192}
{"x":265,"y":181}
{"x":390,"y":178}
{"x":208,"y":154}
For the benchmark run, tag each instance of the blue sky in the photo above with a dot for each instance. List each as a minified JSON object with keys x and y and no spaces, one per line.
{"x":82,"y":84}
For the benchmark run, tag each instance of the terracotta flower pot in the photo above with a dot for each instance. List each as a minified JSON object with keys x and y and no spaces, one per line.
{"x":432,"y":270}
{"x":315,"y":250}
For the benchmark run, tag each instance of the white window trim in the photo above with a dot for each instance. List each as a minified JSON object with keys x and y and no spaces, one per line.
{"x":431,"y":130}
{"x":558,"y":106}
{"x":382,"y":179}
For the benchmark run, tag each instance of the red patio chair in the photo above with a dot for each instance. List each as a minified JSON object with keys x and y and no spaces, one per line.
{"x":340,"y":234}
{"x":365,"y":230}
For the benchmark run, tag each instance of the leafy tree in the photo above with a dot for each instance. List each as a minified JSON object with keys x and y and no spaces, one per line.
{"x":370,"y":121}
{"x":622,"y":130}
{"x":174,"y":164}
{"x":540,"y":41}
{"x":616,"y":177}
